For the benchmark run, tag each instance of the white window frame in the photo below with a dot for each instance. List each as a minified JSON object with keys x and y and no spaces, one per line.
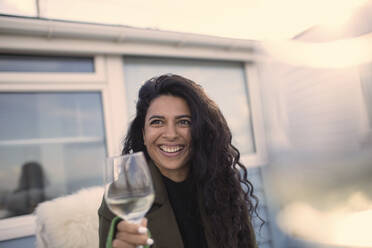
{"x":108,"y":45}
{"x":259,"y":158}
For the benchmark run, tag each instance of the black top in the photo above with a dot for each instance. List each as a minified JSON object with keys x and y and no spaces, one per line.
{"x":183,"y":198}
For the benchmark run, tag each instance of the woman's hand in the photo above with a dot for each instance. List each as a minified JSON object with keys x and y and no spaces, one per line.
{"x":130,"y":235}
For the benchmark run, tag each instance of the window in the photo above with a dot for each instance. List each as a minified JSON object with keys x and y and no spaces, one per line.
{"x":52,"y":138}
{"x":31,"y":63}
{"x":224,"y":82}
{"x":49,"y":70}
{"x":51,"y":144}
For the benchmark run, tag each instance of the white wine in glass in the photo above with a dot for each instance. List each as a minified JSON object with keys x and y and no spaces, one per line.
{"x":129,"y":192}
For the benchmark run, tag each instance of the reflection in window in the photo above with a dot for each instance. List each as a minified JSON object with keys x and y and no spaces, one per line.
{"x":29,"y":191}
{"x":31,"y":63}
{"x":224,"y":82}
{"x":51,"y":144}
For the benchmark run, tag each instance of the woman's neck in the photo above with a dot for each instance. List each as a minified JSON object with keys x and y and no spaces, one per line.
{"x":176,"y":176}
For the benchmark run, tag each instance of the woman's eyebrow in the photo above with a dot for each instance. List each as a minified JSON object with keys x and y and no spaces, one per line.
{"x":162,"y":117}
{"x":183,"y":116}
{"x":156,"y":117}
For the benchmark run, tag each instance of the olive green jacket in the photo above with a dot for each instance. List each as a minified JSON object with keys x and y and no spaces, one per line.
{"x":161,"y":219}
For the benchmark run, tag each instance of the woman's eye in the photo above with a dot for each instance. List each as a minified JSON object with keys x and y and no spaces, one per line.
{"x":156,"y":122}
{"x":185,"y":123}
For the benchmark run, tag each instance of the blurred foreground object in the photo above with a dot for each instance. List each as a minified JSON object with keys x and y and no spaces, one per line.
{"x":69,"y":221}
{"x":319,"y":126}
{"x":317,"y":96}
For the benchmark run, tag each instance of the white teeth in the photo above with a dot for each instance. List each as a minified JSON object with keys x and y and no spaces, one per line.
{"x":171,"y":148}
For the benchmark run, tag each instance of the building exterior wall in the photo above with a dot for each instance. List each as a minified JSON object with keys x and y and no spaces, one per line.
{"x":110,"y":47}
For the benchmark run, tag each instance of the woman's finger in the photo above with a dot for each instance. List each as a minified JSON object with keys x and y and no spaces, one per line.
{"x":117,"y":243}
{"x":129,"y":227}
{"x":132,"y":233}
{"x":138,"y":239}
{"x":144,"y":222}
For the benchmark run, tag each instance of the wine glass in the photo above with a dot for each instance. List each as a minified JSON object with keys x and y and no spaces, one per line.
{"x":129,"y":192}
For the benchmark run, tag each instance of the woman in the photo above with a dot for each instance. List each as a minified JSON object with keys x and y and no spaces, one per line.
{"x":199,"y":200}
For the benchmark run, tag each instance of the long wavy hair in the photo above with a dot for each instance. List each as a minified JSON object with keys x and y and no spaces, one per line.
{"x":214,"y":161}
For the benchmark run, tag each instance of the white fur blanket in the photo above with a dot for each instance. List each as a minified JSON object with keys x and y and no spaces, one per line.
{"x":69,"y":221}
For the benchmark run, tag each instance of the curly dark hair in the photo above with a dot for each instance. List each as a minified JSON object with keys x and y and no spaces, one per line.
{"x":214,"y":162}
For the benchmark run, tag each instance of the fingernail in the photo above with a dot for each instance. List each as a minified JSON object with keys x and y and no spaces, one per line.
{"x":142,"y":230}
{"x":149,"y":241}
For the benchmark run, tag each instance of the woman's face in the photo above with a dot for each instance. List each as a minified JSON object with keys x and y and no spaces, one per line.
{"x":167,"y":135}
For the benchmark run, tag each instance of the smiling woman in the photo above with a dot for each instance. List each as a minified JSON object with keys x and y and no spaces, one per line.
{"x":167,"y":136}
{"x":199,"y":200}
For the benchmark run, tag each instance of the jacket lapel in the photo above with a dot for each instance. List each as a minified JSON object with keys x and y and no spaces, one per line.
{"x":161,"y":219}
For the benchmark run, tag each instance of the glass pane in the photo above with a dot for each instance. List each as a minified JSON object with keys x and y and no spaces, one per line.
{"x":219,"y":79}
{"x":31,"y":63}
{"x":51,"y":144}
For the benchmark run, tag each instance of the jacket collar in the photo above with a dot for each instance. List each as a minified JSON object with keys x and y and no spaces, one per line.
{"x":161,"y":194}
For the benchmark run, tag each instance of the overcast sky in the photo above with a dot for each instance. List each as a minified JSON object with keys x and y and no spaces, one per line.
{"x":246,"y":19}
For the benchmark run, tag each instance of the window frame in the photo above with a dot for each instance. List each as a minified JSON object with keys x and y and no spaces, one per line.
{"x":22,"y":226}
{"x":108,"y":45}
{"x":254,"y":95}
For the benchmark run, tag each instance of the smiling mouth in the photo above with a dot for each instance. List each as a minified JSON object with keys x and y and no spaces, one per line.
{"x":171,"y":149}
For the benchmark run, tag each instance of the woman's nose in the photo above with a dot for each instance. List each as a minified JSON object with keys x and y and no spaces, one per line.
{"x":170,"y":131}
